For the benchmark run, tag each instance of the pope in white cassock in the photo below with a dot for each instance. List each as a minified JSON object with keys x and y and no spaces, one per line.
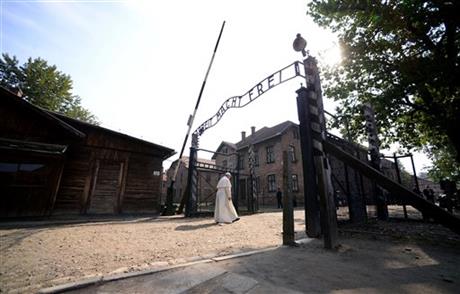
{"x":225,"y":211}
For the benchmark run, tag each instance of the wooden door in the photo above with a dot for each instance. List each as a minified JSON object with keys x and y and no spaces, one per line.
{"x":106,"y":187}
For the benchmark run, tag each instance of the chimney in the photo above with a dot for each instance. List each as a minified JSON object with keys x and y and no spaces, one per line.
{"x":243,"y":135}
{"x":253,"y":130}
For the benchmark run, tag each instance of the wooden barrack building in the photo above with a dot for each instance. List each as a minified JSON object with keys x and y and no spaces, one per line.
{"x":51,"y":164}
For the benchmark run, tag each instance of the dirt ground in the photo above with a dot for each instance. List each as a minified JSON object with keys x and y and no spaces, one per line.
{"x":38,"y":255}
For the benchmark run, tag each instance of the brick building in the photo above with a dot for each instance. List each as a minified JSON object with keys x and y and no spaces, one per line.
{"x":228,"y":157}
{"x":268,"y":145}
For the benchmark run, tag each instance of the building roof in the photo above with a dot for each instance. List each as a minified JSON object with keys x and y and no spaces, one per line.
{"x":167,"y":152}
{"x":12,"y":99}
{"x":224,"y":143}
{"x":185,"y":160}
{"x":73,"y":127}
{"x":231,"y":145}
{"x":265,"y":134}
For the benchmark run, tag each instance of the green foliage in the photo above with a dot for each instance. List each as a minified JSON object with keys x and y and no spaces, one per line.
{"x":445,"y":166}
{"x":403,"y":57}
{"x":43,"y":85}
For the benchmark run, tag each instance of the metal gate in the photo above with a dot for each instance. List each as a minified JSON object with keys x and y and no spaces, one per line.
{"x":202,"y":181}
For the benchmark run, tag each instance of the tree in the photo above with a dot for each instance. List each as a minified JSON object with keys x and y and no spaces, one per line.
{"x":403,"y":57}
{"x":43,"y":85}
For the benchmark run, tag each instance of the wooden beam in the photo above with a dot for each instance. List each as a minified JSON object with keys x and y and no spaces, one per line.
{"x":327,"y":204}
{"x":440,"y":215}
{"x":123,"y":185}
{"x":88,"y":184}
{"x":311,"y":203}
{"x":56,"y":183}
{"x":93,"y":185}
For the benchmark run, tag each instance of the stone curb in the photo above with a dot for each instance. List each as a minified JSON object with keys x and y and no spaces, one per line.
{"x":110,"y":278}
{"x":70,"y":286}
{"x":236,"y":255}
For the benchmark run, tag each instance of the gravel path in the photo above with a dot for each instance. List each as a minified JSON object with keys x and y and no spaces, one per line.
{"x":36,"y":255}
{"x":44,"y":256}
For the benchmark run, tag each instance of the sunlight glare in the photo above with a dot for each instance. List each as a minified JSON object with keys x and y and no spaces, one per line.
{"x":331,"y":55}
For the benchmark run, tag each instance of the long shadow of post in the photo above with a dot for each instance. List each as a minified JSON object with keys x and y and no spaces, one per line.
{"x":194,"y":227}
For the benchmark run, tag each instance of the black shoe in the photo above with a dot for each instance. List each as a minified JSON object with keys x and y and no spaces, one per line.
{"x":236,"y":219}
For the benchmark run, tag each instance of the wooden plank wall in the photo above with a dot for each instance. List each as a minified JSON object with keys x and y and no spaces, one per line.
{"x":106,"y":187}
{"x":142,"y":190}
{"x":101,"y":181}
{"x":75,"y":183}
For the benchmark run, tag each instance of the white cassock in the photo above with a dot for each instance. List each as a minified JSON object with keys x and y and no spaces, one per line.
{"x":224,"y":211}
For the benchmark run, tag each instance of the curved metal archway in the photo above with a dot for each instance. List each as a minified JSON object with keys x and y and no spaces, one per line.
{"x":283,"y":75}
{"x":277,"y":78}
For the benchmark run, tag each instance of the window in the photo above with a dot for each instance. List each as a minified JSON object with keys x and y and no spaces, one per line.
{"x":271,"y":183}
{"x":20,"y":175}
{"x":241,"y":162}
{"x":30,"y":167}
{"x":224,"y":163}
{"x":256,"y":158}
{"x":224,"y":150}
{"x":291,"y":150}
{"x":270,"y":154}
{"x":6,"y":167}
{"x":295,"y":183}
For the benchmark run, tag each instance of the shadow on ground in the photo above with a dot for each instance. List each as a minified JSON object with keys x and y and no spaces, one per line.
{"x":195,"y":227}
{"x":358,"y":266}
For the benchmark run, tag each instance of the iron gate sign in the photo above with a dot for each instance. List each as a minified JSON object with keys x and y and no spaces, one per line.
{"x":283,"y":75}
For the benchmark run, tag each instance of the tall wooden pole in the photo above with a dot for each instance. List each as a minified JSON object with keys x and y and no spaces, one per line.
{"x":311,"y":202}
{"x":398,"y":175}
{"x":169,"y":194}
{"x":288,"y":209}
{"x":192,"y":184}
{"x":374,"y":150}
{"x":323,"y":169}
{"x":317,"y":171}
{"x":415,"y":173}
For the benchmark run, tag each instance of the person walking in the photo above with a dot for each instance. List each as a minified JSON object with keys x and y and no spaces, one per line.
{"x":224,"y":211}
{"x":279,"y":197}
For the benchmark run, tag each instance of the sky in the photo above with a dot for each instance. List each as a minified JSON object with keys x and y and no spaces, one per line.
{"x":138,"y":65}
